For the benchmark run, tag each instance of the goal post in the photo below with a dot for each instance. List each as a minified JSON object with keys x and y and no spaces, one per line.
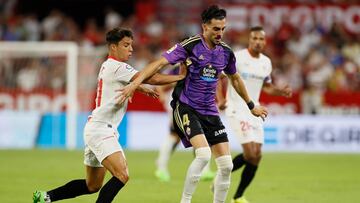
{"x":70,"y":51}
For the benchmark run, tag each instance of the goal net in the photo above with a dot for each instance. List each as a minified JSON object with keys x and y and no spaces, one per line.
{"x":46,"y":92}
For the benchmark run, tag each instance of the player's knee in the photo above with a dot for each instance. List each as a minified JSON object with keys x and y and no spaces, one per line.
{"x":94,"y":187}
{"x":203,"y":154}
{"x":251,"y":158}
{"x":224,"y":164}
{"x":194,"y":178}
{"x":122,"y":175}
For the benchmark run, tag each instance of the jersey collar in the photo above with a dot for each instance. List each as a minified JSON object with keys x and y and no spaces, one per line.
{"x":113,"y":58}
{"x":252,"y":54}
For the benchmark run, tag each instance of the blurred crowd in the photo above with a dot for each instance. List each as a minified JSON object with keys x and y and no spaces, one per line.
{"x":313,"y":59}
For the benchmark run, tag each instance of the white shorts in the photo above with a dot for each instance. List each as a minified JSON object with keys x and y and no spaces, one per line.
{"x":101,"y":140}
{"x":247,"y":128}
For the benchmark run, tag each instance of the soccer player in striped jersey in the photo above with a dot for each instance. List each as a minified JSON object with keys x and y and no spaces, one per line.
{"x":194,"y":108}
{"x":102,"y":149}
{"x":255,"y":69}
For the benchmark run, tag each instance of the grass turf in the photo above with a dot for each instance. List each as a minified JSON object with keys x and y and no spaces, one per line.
{"x":282,"y":177}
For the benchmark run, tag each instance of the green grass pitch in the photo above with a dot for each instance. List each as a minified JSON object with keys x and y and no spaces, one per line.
{"x":282,"y":177}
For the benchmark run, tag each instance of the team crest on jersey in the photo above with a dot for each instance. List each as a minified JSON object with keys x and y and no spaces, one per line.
{"x":208,"y":73}
{"x":201,"y":57}
{"x":129,"y":68}
{"x":171,"y":49}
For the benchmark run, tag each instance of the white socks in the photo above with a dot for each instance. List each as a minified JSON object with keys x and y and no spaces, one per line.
{"x":207,"y":167}
{"x":202,"y":157}
{"x":222,"y":179}
{"x":165,"y":152}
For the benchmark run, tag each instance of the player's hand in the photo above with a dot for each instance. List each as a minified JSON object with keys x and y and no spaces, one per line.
{"x":222,"y":104}
{"x":286,"y":91}
{"x":149,"y":92}
{"x":260,"y":111}
{"x":126,"y":92}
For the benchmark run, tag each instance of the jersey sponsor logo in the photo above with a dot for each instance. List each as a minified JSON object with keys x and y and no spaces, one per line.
{"x":247,"y":76}
{"x":219,"y":132}
{"x":171,"y":49}
{"x":208,"y":73}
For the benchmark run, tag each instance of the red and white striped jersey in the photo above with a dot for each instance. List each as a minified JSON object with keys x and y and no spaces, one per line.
{"x":113,"y":75}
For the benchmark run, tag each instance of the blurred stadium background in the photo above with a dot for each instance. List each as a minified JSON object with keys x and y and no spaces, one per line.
{"x":50,"y":53}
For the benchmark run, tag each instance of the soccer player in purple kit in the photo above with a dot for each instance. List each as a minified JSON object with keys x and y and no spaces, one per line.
{"x":195,"y":111}
{"x":170,"y":142}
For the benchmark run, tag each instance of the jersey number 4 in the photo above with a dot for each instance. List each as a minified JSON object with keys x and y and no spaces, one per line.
{"x":186,"y":120}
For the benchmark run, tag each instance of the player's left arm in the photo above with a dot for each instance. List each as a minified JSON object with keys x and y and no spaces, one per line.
{"x":240,"y":88}
{"x":271,"y":89}
{"x":220,"y":96}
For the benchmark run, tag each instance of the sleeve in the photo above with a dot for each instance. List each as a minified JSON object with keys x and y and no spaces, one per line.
{"x":124,"y":73}
{"x":175,"y":54}
{"x":268,"y":79}
{"x":231,"y":67}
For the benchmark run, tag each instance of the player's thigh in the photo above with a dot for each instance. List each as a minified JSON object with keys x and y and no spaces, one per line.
{"x":249,"y":149}
{"x":116,"y":164}
{"x":100,"y":142}
{"x":220,"y":149}
{"x":214,"y":129}
{"x":199,"y":141}
{"x":187,"y":121}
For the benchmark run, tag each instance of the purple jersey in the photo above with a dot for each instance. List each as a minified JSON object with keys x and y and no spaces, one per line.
{"x":204,"y":67}
{"x":174,"y":70}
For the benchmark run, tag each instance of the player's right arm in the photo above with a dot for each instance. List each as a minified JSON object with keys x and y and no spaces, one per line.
{"x":148,"y":71}
{"x":162,"y":79}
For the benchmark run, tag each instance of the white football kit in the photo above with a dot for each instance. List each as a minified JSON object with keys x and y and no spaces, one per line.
{"x":100,"y":132}
{"x":254,"y":72}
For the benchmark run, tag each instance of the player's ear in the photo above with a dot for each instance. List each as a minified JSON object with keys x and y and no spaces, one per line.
{"x":113,"y":47}
{"x":204,"y":27}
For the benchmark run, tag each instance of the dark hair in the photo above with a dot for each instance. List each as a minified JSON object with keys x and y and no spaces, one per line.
{"x":117,"y":34}
{"x":256,"y":28}
{"x":213,"y":12}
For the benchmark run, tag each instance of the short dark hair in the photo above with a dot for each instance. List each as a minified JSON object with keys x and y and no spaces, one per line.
{"x":213,"y":12}
{"x":117,"y":34}
{"x":256,"y":28}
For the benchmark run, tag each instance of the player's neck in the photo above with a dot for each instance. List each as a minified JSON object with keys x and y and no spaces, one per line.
{"x":253,"y":54}
{"x":208,"y":42}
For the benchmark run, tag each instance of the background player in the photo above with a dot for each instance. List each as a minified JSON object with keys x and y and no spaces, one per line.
{"x":102,"y":149}
{"x":195,"y":111}
{"x":255,"y":69}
